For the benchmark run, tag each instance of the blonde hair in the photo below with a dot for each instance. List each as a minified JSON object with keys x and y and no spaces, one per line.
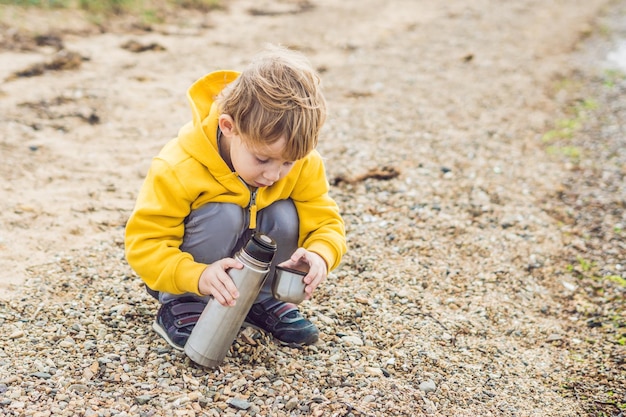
{"x":277,"y":95}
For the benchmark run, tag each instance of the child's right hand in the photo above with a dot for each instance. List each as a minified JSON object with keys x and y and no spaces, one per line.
{"x":216,"y":282}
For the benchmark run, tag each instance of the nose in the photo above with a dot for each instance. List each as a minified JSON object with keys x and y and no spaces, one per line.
{"x":272,"y":174}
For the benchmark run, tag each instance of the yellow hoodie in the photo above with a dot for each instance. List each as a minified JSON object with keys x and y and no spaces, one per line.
{"x":189,"y":172}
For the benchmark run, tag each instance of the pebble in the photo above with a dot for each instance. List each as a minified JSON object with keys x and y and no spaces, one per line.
{"x":16,"y":334}
{"x":238,"y":403}
{"x":67,"y":343}
{"x":374,"y":371}
{"x":326,"y":320}
{"x":428,"y":386}
{"x":429,"y":406}
{"x":143,"y":399}
{"x":292,"y":403}
{"x":554,"y":337}
{"x":352,"y":340}
{"x":89,"y":345}
{"x":79,"y":388}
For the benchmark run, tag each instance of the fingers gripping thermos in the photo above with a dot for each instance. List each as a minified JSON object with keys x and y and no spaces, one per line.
{"x":218,"y":325}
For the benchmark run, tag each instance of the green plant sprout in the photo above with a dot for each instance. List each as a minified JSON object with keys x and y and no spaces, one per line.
{"x":617,"y":279}
{"x":612,"y":76}
{"x":584,"y":264}
{"x":572,"y":152}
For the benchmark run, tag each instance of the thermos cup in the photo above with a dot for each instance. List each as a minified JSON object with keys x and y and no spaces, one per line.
{"x":288,"y":285}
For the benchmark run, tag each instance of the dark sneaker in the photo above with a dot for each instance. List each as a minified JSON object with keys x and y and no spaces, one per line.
{"x":283,"y":321}
{"x":175,"y":320}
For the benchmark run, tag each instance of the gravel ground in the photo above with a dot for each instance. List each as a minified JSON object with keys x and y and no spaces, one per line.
{"x":477,"y":154}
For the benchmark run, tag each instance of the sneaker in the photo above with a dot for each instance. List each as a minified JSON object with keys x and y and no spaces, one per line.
{"x":175,"y":320}
{"x":284,"y":321}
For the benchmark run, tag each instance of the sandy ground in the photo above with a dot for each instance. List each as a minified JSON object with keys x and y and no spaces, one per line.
{"x":459,"y":260}
{"x":463,"y":71}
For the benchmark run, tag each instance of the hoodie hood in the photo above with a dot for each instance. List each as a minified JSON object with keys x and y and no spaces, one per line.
{"x":198,"y":138}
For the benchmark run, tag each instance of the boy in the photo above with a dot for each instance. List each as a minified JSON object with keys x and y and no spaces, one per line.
{"x":246,"y":161}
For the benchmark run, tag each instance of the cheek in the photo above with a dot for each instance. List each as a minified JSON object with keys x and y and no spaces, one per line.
{"x":243,"y":162}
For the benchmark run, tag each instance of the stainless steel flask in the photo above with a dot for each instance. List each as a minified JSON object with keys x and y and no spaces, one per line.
{"x":218,"y":325}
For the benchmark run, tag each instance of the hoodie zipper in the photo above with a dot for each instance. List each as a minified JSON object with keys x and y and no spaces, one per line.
{"x":252,"y":209}
{"x":252,"y":203}
{"x":251,"y":220}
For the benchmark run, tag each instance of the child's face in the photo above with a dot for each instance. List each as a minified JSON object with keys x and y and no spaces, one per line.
{"x":259,"y":166}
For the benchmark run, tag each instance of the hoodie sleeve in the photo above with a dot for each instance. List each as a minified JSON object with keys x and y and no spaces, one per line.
{"x":153,"y":238}
{"x":322,"y":229}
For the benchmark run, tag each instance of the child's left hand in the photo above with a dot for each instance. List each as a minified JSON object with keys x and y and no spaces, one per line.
{"x":318,"y":270}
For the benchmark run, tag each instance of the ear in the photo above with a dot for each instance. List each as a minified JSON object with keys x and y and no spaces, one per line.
{"x":227,"y":125}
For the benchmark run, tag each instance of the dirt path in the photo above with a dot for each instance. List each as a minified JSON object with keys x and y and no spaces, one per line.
{"x":454,"y":299}
{"x":70,"y":182}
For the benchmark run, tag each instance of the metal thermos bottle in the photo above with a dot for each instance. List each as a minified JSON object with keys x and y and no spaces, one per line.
{"x":218,"y":325}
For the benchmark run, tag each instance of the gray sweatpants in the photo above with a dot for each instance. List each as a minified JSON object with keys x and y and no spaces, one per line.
{"x":217,"y":230}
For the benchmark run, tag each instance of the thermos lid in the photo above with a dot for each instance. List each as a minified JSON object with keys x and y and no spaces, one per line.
{"x":261,"y":247}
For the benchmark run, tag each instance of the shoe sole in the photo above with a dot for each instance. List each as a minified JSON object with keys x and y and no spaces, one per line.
{"x":161,"y":332}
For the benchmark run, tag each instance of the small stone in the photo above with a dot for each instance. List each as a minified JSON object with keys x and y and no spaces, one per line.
{"x":143,"y":399}
{"x":554,"y":337}
{"x":89,"y":345}
{"x":238,"y":403}
{"x":120,"y":309}
{"x":429,"y":407}
{"x":362,"y":300}
{"x":42,"y":375}
{"x":78,"y":388}
{"x":374,"y":371}
{"x":88,"y":374}
{"x":17,"y":405}
{"x":16,"y":334}
{"x":507,"y":222}
{"x":352,"y":340}
{"x":291,"y":404}
{"x":428,"y":386}
{"x":326,"y":320}
{"x":67,"y":343}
